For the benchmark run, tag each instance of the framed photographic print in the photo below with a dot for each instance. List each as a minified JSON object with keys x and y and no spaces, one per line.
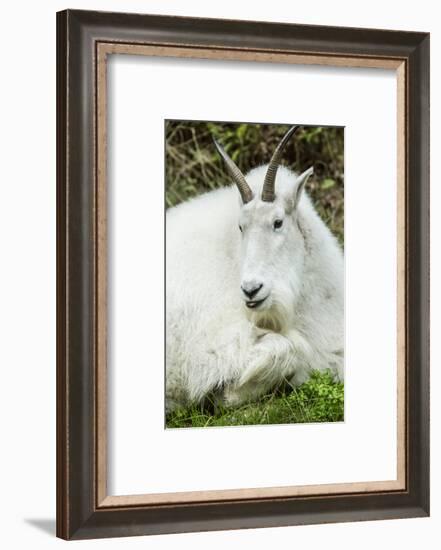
{"x":243,"y":274}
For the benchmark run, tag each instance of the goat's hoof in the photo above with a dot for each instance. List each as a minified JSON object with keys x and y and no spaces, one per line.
{"x":232,"y":397}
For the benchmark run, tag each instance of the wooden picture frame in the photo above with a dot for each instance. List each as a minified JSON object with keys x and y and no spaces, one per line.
{"x":84,"y":41}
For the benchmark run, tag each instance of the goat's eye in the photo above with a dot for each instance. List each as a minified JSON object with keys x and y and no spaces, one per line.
{"x":278,"y":224}
{"x":240,"y":228}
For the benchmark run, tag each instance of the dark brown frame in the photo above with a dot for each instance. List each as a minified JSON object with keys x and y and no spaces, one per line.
{"x":83,"y":508}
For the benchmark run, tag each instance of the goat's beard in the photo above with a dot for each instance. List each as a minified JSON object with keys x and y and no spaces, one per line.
{"x":278,"y":316}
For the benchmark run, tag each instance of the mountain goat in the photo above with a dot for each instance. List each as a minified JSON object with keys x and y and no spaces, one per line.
{"x":254,"y":288}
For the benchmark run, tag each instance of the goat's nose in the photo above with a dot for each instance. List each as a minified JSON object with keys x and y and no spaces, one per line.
{"x":251,"y":289}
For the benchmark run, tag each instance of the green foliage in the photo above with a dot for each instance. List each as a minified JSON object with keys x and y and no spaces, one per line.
{"x":325,"y":396}
{"x":194,"y":167}
{"x":328,"y":183}
{"x":320,"y":399}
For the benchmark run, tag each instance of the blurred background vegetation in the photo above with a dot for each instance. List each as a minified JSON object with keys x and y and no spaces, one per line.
{"x":193,"y":166}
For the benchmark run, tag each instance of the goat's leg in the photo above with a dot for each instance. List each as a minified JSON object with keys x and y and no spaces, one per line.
{"x":214,"y":362}
{"x":272,"y":359}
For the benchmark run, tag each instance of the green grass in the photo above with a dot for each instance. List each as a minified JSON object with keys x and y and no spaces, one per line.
{"x":320,"y":399}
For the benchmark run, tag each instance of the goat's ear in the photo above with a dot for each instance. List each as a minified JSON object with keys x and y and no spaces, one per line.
{"x":300,"y":184}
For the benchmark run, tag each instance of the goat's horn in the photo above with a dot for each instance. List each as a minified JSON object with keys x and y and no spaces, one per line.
{"x":238,"y":177}
{"x":268,"y":192}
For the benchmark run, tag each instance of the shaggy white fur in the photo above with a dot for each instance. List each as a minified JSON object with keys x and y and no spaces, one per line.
{"x":217,"y":338}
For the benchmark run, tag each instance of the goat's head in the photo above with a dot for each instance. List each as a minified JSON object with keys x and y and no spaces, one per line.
{"x":273,"y":247}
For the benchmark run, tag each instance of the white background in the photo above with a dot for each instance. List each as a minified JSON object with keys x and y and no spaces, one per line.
{"x":142,"y":93}
{"x":27,"y":289}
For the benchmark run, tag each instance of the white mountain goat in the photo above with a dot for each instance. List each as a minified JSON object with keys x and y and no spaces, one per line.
{"x":254,"y":288}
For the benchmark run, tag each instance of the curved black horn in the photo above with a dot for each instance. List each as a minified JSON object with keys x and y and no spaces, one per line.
{"x":236,"y":174}
{"x":268,"y":192}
